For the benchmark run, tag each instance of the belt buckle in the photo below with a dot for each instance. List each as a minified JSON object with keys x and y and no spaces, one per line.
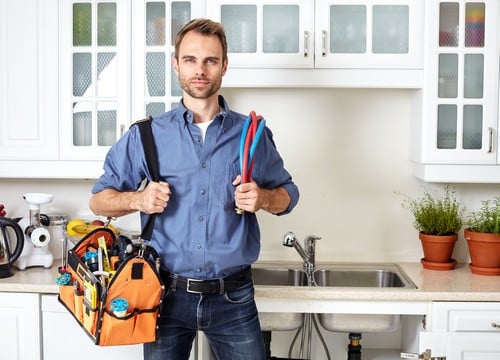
{"x":188,"y":285}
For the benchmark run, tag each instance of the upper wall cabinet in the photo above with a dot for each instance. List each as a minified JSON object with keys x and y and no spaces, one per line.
{"x":77,"y":74}
{"x":369,"y":34}
{"x":455,"y":129}
{"x":268,"y":33}
{"x":346,"y":42}
{"x":94,"y":93}
{"x":155,"y":88}
{"x":116,"y":68}
{"x":28,"y":82}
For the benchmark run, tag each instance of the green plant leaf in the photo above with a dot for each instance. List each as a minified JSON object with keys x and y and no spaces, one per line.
{"x":487,"y":218}
{"x":437,"y":213}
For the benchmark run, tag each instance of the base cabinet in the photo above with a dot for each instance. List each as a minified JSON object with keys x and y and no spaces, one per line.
{"x":19,"y":330}
{"x":63,"y":336}
{"x":464,"y":346}
{"x":467,"y":331}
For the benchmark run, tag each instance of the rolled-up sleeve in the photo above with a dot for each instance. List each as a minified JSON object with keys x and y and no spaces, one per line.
{"x":271,"y":171}
{"x":124,"y":164}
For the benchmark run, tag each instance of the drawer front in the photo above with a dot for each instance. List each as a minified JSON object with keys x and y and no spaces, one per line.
{"x":474,"y":320}
{"x":455,"y":317}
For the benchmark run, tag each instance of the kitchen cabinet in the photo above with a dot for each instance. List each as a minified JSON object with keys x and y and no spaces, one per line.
{"x":72,"y":83}
{"x":267,"y":33}
{"x":77,"y":74}
{"x":94,"y":94}
{"x":461,"y":330}
{"x":322,"y":43}
{"x":74,"y":342}
{"x":28,"y":98}
{"x":123,"y":37}
{"x":382,"y":34}
{"x":108,"y":40}
{"x":455,"y":125}
{"x":155,"y":88}
{"x":32,"y":128}
{"x":20,"y":332}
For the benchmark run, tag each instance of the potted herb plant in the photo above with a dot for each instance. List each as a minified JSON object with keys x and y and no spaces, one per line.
{"x":438,"y":217}
{"x":482,"y":233}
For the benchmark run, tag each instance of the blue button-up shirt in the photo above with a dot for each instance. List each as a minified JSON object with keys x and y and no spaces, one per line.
{"x":199,"y":235}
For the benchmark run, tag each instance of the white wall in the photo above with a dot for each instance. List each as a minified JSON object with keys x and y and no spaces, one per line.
{"x":348,"y":152}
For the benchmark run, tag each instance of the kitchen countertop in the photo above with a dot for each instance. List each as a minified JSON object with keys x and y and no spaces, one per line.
{"x":458,"y":284}
{"x":432,"y":285}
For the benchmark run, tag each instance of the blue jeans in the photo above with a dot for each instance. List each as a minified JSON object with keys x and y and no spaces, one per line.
{"x":230,"y":322}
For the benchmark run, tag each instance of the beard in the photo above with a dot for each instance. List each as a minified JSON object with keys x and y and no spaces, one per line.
{"x":197,"y":92}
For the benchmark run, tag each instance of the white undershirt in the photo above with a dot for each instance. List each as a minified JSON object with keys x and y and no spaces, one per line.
{"x":203,"y":127}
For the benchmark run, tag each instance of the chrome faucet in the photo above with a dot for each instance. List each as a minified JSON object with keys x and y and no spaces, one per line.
{"x":307,"y":253}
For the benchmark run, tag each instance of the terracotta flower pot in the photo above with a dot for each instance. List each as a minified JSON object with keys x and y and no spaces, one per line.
{"x":484,"y":250}
{"x":437,"y":248}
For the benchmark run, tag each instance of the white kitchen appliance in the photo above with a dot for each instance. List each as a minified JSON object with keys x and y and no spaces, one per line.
{"x":36,"y":251}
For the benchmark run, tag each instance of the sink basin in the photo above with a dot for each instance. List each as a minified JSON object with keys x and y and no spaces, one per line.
{"x":359,"y":323}
{"x":374,"y":276}
{"x":362,"y":276}
{"x":279,"y":277}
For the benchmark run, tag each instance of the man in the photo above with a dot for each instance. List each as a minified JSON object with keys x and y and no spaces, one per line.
{"x":206,"y":248}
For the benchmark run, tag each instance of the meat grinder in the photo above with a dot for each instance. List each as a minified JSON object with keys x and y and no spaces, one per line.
{"x":36,"y":251}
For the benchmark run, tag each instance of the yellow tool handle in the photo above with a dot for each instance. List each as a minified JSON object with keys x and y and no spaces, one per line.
{"x":102,"y":244}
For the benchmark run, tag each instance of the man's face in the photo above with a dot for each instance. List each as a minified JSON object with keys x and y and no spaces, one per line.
{"x":200,"y":67}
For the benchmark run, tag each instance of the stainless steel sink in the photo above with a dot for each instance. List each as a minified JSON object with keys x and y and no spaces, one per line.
{"x":279,"y":277}
{"x":360,"y":323}
{"x":381,"y":276}
{"x":362,"y":276}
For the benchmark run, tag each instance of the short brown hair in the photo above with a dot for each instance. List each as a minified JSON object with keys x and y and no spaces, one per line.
{"x":205,"y":27}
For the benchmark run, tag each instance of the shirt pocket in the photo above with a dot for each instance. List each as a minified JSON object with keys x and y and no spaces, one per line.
{"x":225,"y":187}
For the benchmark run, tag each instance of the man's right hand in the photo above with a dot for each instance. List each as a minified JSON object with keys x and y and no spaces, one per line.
{"x":113,"y":203}
{"x":153,"y":199}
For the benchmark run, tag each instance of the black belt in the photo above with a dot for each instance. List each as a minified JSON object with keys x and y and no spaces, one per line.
{"x":214,"y":286}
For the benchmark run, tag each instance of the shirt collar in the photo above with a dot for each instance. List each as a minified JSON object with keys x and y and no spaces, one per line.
{"x":185,"y":115}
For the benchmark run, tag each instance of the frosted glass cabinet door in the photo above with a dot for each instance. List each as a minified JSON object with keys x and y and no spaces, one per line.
{"x":268,"y":33}
{"x":94,"y":68}
{"x":463,"y":82}
{"x":155,"y":25}
{"x":374,"y":34}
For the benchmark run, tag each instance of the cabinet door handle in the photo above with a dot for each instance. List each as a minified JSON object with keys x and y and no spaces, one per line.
{"x":495,"y":325}
{"x":306,"y":43}
{"x":122,"y":129}
{"x":323,"y":43}
{"x":490,"y":140}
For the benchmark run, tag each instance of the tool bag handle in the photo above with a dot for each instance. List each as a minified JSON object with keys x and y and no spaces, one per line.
{"x":151,"y":154}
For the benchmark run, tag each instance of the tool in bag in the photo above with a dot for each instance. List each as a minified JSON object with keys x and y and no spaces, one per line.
{"x":111,"y":285}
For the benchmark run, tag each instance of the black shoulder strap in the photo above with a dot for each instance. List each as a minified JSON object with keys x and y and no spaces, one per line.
{"x":148,"y":143}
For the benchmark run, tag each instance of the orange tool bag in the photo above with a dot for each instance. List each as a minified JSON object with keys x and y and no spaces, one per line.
{"x":112,"y":285}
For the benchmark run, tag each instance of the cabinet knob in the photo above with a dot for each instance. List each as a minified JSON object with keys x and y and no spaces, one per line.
{"x":495,"y":325}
